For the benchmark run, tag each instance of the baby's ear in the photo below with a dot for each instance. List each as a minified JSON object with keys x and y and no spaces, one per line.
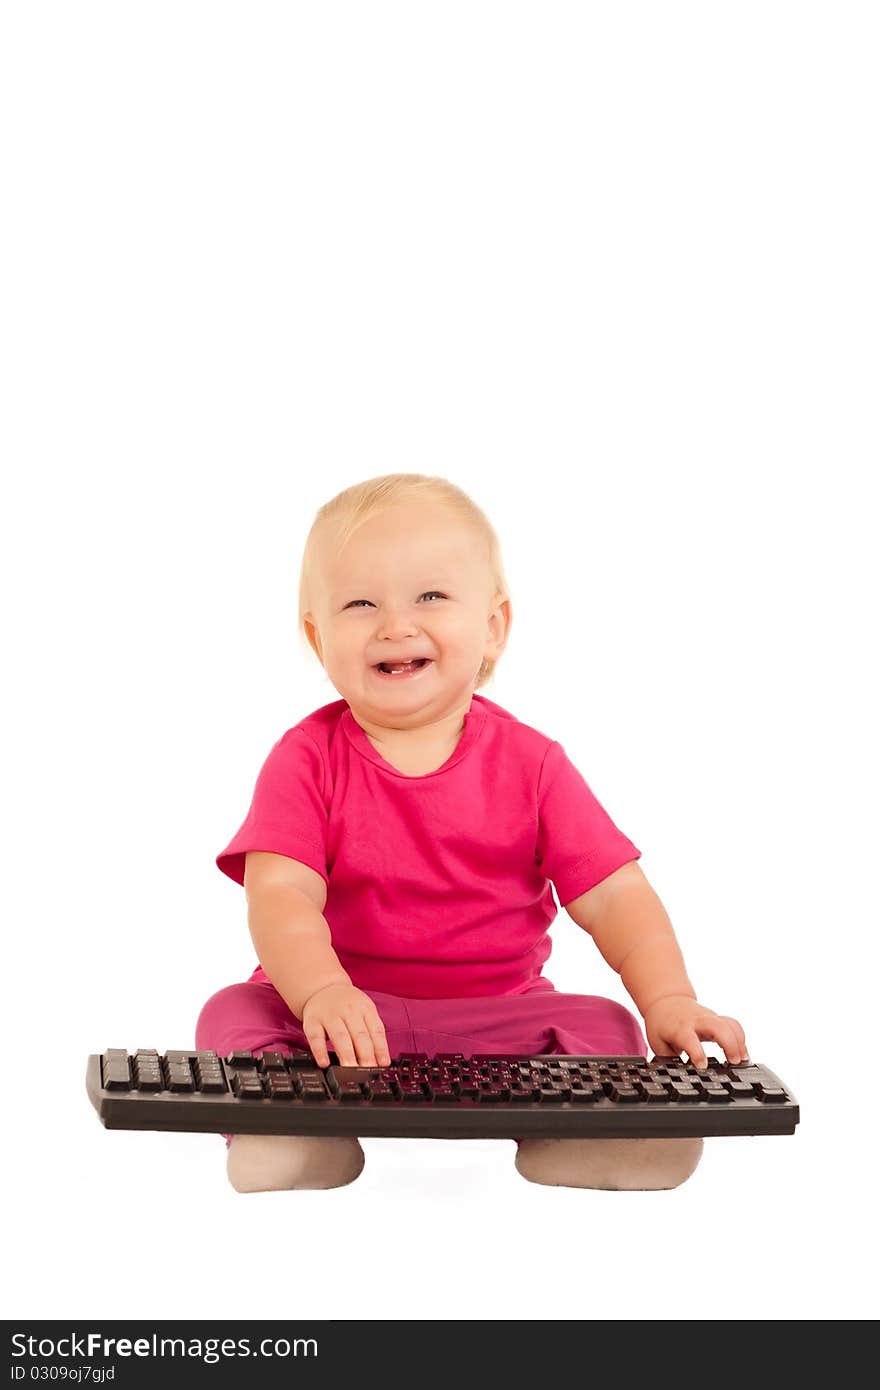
{"x":312,"y":635}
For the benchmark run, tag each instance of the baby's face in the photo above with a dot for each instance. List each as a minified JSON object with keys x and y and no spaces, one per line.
{"x":413,"y":581}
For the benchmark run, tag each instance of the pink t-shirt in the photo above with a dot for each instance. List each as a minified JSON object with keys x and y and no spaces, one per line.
{"x":438,"y":887}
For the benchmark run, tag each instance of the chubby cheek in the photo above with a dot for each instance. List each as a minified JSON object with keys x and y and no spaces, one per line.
{"x":454,"y":637}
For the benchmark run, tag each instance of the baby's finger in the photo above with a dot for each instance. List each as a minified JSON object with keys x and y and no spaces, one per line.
{"x":342,"y":1043}
{"x":363,"y":1043}
{"x":317,"y":1044}
{"x":744,"y":1051}
{"x":370,"y":1041}
{"x":690,"y":1043}
{"x":380,"y":1042}
{"x":721,"y":1030}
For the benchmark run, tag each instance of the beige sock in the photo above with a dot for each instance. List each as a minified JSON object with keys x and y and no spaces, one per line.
{"x":281,"y":1162}
{"x":616,"y":1165}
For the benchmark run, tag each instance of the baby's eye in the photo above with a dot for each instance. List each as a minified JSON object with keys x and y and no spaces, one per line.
{"x":427,"y":594}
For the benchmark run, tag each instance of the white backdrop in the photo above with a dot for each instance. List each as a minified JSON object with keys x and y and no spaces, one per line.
{"x":613,"y":270}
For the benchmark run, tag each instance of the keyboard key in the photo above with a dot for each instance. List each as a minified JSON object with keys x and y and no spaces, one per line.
{"x":152,"y":1082}
{"x":280,"y":1085}
{"x":272,"y":1061}
{"x":310,"y":1085}
{"x":297,"y":1059}
{"x":338,"y":1077}
{"x":624,"y":1095}
{"x":241,"y":1059}
{"x":768,"y":1092}
{"x":679,"y":1091}
{"x":117,"y":1062}
{"x":740,"y":1089}
{"x":116,"y":1081}
{"x":209,"y":1076}
{"x":522,"y":1095}
{"x":349,"y":1091}
{"x":247,"y":1084}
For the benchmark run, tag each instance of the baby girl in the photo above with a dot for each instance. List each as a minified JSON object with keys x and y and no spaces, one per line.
{"x":401,"y":844}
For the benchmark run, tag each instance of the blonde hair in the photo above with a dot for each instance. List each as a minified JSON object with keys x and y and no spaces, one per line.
{"x":338,"y":519}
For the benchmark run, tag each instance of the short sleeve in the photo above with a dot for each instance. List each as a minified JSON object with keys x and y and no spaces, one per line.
{"x":578,"y":842}
{"x":287,"y":813}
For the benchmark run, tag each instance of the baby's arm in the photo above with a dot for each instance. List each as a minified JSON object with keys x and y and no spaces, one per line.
{"x":631,"y":928}
{"x":289,"y":930}
{"x":292,"y":940}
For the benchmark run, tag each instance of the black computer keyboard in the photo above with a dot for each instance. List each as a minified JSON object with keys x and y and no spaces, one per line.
{"x":447,"y":1096}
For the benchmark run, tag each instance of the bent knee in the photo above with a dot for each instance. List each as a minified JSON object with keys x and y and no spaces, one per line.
{"x":614,"y":1165}
{"x":213,"y":1021}
{"x":627,"y":1024}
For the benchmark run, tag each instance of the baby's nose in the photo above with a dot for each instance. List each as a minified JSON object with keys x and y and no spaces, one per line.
{"x":397,"y":625}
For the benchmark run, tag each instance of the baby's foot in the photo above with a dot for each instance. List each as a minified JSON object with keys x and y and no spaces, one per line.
{"x":281,"y":1162}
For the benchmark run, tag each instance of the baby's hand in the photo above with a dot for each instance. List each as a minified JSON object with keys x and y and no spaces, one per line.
{"x":678,"y":1022}
{"x":351,"y":1021}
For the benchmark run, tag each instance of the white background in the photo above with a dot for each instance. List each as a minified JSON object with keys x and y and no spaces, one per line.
{"x":613,"y":270}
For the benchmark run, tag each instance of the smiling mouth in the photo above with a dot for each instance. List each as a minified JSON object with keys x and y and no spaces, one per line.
{"x":390,"y":668}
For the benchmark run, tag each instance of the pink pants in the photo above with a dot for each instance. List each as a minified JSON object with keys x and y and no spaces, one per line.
{"x":252,"y":1017}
